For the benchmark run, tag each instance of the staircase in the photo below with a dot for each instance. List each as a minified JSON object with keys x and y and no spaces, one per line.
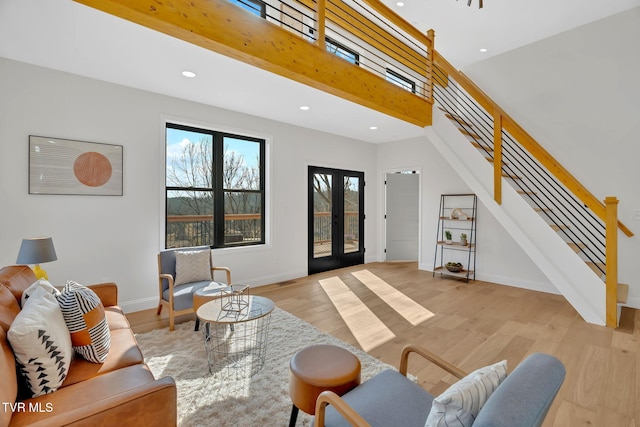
{"x":565,"y":239}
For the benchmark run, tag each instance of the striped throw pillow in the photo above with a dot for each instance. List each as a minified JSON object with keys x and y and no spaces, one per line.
{"x":86,"y":320}
{"x":459,"y":405}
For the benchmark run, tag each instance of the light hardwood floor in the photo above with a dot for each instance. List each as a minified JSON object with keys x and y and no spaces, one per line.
{"x":471,"y":325}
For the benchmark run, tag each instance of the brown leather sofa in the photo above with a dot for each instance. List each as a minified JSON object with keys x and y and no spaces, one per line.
{"x":121,"y":391}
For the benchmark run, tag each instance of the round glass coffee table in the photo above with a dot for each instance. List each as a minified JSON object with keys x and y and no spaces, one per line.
{"x":235,"y":334}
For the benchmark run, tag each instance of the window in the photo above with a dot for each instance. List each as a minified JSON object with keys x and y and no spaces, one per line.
{"x":214,"y":185}
{"x":400,"y":80}
{"x":257,"y":7}
{"x":342,"y":51}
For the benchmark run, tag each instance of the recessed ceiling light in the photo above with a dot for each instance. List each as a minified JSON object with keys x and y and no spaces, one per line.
{"x":304,"y":108}
{"x":483,"y":50}
{"x":188,"y":73}
{"x":400,"y":4}
{"x":373,"y":127}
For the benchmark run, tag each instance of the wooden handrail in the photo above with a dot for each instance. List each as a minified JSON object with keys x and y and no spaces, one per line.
{"x":400,"y":22}
{"x":527,"y":141}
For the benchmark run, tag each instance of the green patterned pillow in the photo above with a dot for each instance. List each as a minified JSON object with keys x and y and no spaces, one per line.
{"x":85,"y":317}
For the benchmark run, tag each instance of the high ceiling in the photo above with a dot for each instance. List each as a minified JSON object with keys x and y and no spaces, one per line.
{"x":67,"y":36}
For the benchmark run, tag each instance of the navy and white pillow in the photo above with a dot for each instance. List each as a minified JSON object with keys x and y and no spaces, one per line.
{"x":84,"y":315}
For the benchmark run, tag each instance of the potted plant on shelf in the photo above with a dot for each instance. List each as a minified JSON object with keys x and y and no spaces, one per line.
{"x":447,"y":236}
{"x":463,"y":239}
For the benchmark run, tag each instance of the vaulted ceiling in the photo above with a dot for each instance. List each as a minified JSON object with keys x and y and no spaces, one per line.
{"x":67,"y":36}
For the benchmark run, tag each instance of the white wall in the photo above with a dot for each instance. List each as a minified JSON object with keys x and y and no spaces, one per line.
{"x":117,"y":238}
{"x":578,"y":94}
{"x":499,"y":258}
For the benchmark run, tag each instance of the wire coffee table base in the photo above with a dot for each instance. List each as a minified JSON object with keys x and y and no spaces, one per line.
{"x":236,"y":341}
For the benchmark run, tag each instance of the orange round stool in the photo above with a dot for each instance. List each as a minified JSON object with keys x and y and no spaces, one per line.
{"x":318,"y":368}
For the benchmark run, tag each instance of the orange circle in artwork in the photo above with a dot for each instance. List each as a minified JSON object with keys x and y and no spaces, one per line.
{"x":92,"y":169}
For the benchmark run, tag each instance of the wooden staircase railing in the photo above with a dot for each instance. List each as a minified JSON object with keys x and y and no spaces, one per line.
{"x":502,"y":123}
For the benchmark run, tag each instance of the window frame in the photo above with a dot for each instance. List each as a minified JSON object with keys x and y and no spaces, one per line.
{"x":397,"y":78}
{"x":341,"y":47}
{"x":217,"y":184}
{"x":248,"y":5}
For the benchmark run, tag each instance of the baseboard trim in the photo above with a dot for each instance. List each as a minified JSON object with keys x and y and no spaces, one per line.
{"x":152,"y":302}
{"x":508,"y":281}
{"x":139,"y":304}
{"x":632,"y":302}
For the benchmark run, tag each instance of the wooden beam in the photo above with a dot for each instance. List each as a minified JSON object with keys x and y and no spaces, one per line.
{"x":611,"y":256}
{"x":497,"y":157}
{"x":225,"y":28}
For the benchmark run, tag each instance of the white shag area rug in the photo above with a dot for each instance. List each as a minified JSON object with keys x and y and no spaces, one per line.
{"x":221,"y":401}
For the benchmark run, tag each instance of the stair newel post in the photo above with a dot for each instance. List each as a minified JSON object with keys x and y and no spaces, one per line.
{"x":431,"y":35}
{"x":611,"y":259}
{"x":321,"y":13}
{"x":497,"y":157}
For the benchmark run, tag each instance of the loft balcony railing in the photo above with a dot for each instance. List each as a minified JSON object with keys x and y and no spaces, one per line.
{"x":358,"y":33}
{"x":309,"y":41}
{"x":349,"y":49}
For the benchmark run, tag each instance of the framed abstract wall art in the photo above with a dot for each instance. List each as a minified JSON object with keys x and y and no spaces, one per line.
{"x":66,"y":166}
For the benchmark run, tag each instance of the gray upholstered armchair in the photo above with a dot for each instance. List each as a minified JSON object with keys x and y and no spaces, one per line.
{"x":181,"y":272}
{"x":522,"y":399}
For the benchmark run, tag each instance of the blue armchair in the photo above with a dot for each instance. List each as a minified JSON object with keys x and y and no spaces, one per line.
{"x":176,"y":295}
{"x":391,"y":399}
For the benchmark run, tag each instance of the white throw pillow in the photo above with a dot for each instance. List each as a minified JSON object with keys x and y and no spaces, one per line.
{"x":41,"y":343}
{"x":459,"y":405}
{"x":192,"y":266}
{"x":43,"y":283}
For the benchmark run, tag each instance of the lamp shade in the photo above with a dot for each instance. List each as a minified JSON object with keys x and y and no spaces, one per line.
{"x":36,"y":250}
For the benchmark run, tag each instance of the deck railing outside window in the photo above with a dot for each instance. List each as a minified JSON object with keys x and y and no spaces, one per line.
{"x":197,"y":230}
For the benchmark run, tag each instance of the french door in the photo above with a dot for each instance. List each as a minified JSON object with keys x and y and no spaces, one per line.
{"x":336,"y":218}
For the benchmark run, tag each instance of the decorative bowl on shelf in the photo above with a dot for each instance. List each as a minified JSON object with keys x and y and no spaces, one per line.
{"x":454,"y":267}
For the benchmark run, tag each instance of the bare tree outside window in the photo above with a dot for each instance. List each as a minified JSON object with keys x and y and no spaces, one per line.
{"x":197,"y":188}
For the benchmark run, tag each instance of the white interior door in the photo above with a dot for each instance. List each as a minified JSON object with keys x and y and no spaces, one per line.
{"x":402,"y":216}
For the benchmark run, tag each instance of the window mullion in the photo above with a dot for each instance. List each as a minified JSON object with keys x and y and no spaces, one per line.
{"x":218,"y":190}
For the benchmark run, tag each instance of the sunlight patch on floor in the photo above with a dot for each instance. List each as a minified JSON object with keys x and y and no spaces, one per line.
{"x":368,"y":330}
{"x":413,"y":312}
